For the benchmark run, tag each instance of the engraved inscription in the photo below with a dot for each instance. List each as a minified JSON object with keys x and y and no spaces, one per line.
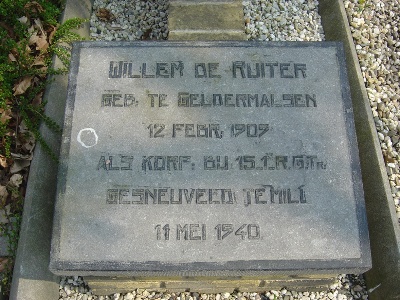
{"x":242,"y":130}
{"x":245,"y":231}
{"x":280,"y":162}
{"x":162,"y":163}
{"x":186,"y":99}
{"x":207,"y":130}
{"x":242,"y":69}
{"x":264,"y":162}
{"x":249,"y":130}
{"x":198,"y":232}
{"x":175,"y":69}
{"x":118,"y":100}
{"x":268,"y":194}
{"x":130,"y":69}
{"x":203,"y":70}
{"x":113,"y":163}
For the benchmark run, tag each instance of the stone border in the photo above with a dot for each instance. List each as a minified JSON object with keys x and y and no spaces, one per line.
{"x":202,"y":20}
{"x":33,"y":281}
{"x":383,"y":278}
{"x":213,"y":285}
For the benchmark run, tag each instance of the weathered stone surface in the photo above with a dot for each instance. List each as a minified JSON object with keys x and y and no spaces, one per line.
{"x":204,"y":16}
{"x":106,"y":286}
{"x":209,"y":159}
{"x":207,"y":35}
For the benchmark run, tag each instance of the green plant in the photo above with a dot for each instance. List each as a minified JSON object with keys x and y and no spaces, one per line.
{"x":12,"y":214}
{"x":362,"y":4}
{"x":31,"y":36}
{"x":63,"y":38}
{"x":10,"y":230}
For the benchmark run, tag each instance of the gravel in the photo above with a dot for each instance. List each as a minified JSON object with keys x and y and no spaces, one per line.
{"x":128,"y":20}
{"x":375,"y":32}
{"x":347,"y":287}
{"x":294,"y":20}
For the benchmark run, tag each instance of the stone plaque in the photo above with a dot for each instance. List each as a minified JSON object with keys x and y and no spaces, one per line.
{"x":221,"y":158}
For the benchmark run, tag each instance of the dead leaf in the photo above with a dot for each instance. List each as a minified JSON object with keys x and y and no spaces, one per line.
{"x":14,"y":53}
{"x":11,"y":57}
{"x":4,"y":212}
{"x":39,"y":61}
{"x":104,"y":14}
{"x":388,"y":159}
{"x":15,"y":180}
{"x":34,"y":7}
{"x":51,"y":32}
{"x":42,"y":43}
{"x":27,"y":50}
{"x":44,"y":70}
{"x":3,"y":161}
{"x":39,"y":40}
{"x":9,"y":29}
{"x":26,"y":138}
{"x":21,"y":156}
{"x":10,"y":133}
{"x":23,"y":85}
{"x":30,"y":144}
{"x":38,"y":99}
{"x":397,"y":180}
{"x":146,"y":34}
{"x":5,"y":116}
{"x":33,"y":38}
{"x":31,"y":29}
{"x":3,"y":194}
{"x":19,"y":164}
{"x":22,"y":127}
{"x":3,"y":264}
{"x":39,"y":24}
{"x":23,"y":20}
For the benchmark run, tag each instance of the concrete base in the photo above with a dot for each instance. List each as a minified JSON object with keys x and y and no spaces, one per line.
{"x":106,"y":286}
{"x":206,"y":20}
{"x":384,"y":277}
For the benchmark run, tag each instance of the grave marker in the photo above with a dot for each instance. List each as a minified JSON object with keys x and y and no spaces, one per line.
{"x":209,"y":159}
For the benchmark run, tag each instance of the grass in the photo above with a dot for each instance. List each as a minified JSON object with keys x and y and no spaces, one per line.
{"x":30,"y":36}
